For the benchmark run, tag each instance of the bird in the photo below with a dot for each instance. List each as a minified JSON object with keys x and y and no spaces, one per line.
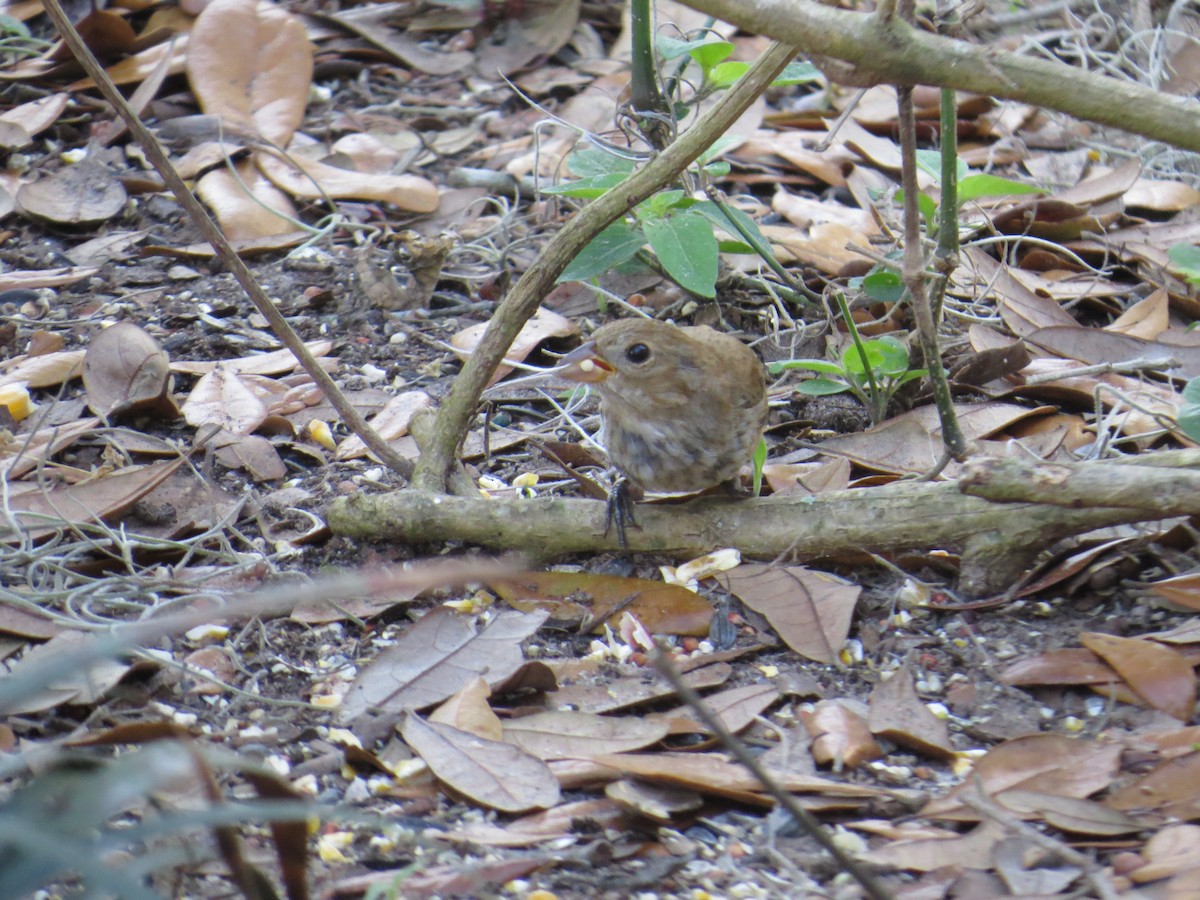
{"x":682,"y":407}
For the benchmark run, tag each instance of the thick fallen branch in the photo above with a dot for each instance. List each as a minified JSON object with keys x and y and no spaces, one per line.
{"x":865,"y":49}
{"x":998,"y":541}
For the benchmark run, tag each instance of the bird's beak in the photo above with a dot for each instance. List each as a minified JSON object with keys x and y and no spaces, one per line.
{"x":584,"y":364}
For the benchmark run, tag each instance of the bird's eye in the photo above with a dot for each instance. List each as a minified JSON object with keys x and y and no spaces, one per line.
{"x":637,"y":353}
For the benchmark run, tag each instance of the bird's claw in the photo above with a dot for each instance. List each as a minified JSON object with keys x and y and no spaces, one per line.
{"x":619,"y":511}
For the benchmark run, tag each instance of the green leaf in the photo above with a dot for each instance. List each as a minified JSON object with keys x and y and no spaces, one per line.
{"x":727,"y":73}
{"x":716,"y":215}
{"x":1191,"y":392}
{"x":591,"y":161}
{"x":884,"y":356}
{"x":611,"y":247}
{"x":797,"y":73}
{"x":673,"y":48}
{"x":658,"y":205}
{"x":930,"y":162}
{"x":816,"y":365}
{"x":884,"y":285}
{"x":587,"y":188}
{"x":718,"y":169}
{"x":976,"y":186}
{"x":735,"y":247}
{"x":759,"y":460}
{"x":1186,"y":258}
{"x":821,"y":387}
{"x":710,"y":53}
{"x":719,"y":146}
{"x":1188,"y":421}
{"x":15,"y":27}
{"x":685,"y":245}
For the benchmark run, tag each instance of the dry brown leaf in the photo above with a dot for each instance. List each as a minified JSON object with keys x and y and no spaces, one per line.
{"x":736,"y":708}
{"x":85,"y":193}
{"x":32,"y":118}
{"x":807,"y":479}
{"x":971,"y":850}
{"x":624,"y":692}
{"x":1071,"y":813}
{"x":841,"y":737}
{"x":469,"y":711}
{"x":1146,"y":319}
{"x":274,"y":363}
{"x":559,"y":822}
{"x":107,"y":497}
{"x":898,"y":714}
{"x":542,"y":325}
{"x":1071,"y":665}
{"x":390,"y":423}
{"x":84,"y":686}
{"x":251,"y":64}
{"x":563,"y":734}
{"x":809,"y":610}
{"x":246,"y":205}
{"x":311,"y":180}
{"x":47,"y":370}
{"x":436,"y":656}
{"x":491,"y":773}
{"x":222,"y":399}
{"x":536,"y":30}
{"x":1094,"y":345}
{"x":1171,"y":788}
{"x":654,"y":801}
{"x":126,"y":372}
{"x":256,"y":455}
{"x":1158,"y":674}
{"x":1050,"y":763}
{"x":1172,"y":850}
{"x":662,"y":608}
{"x":1182,"y":590}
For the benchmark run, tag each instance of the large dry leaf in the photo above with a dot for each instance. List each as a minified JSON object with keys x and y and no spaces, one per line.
{"x":83,"y":194}
{"x":898,"y":714}
{"x":1049,"y":763}
{"x":717,"y":775}
{"x":311,"y":180}
{"x":1171,"y":788}
{"x":542,"y":325}
{"x":47,"y":370}
{"x":222,"y":399}
{"x":1067,"y":665}
{"x":563,"y":734}
{"x":736,"y":709}
{"x":390,"y":423}
{"x":83,"y":686}
{"x":22,"y":457}
{"x":126,"y":372}
{"x":247,"y":206}
{"x":251,"y":64}
{"x":105,"y":498}
{"x":840,"y":737}
{"x":137,"y":68}
{"x":374,"y":22}
{"x":491,"y":773}
{"x":662,"y":608}
{"x":23,"y":122}
{"x":1094,"y":345}
{"x":536,"y":29}
{"x":1159,"y":675}
{"x":600,"y":698}
{"x":469,"y":711}
{"x":809,"y":610}
{"x":435,"y":658}
{"x":274,"y":363}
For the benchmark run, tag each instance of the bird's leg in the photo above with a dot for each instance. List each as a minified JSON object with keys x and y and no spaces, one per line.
{"x":619,"y":509}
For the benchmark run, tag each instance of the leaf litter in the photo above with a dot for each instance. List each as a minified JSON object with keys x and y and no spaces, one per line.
{"x":894,"y":704}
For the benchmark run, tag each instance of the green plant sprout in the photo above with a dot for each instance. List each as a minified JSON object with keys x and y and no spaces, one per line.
{"x":872,"y":370}
{"x":16,"y":40}
{"x":1188,"y":418}
{"x":970,"y":187}
{"x":677,"y":229}
{"x":1186,"y":258}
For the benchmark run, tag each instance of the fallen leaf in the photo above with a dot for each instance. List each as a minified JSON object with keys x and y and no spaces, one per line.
{"x":491,"y":773}
{"x":1157,"y":674}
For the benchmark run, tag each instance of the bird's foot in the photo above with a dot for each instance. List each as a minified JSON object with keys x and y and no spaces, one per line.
{"x":619,"y":510}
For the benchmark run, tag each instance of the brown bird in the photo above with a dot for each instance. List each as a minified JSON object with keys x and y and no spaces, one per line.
{"x":683,"y":407}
